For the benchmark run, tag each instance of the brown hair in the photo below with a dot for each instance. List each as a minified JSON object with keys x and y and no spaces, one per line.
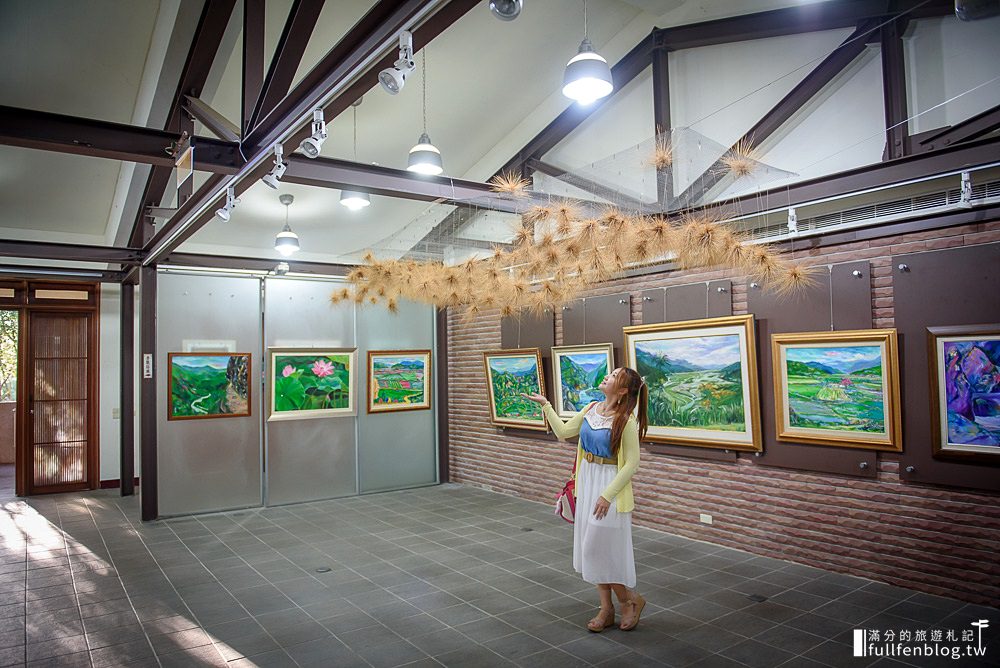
{"x":635,"y":394}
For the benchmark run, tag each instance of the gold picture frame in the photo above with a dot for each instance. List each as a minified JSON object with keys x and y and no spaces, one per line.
{"x":838,"y":388}
{"x":405,"y":357}
{"x":508,"y":373}
{"x":702,"y":381}
{"x":580,"y":352}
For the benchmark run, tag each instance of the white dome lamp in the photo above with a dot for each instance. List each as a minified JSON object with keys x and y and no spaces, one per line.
{"x":352,"y":199}
{"x":587,"y":77}
{"x":287,"y":242}
{"x":424,"y":158}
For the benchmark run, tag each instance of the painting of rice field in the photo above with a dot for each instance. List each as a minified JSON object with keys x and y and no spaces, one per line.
{"x":576,"y":372}
{"x":399,"y":380}
{"x":208,"y":385}
{"x":308,"y":383}
{"x":509,"y":374}
{"x":701,"y":376}
{"x":837,"y":388}
{"x":966,"y":392}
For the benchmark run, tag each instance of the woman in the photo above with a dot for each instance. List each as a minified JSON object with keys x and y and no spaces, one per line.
{"x":607,"y":456}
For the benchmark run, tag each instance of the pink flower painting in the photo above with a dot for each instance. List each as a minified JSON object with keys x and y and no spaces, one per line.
{"x":287,"y":371}
{"x":322,"y":368}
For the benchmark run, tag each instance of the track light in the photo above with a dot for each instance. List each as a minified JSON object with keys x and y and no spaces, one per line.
{"x":227,"y":209}
{"x":354,"y":200}
{"x":281,"y":269}
{"x":286,"y":242}
{"x":312,"y":144}
{"x":394,"y":78}
{"x":506,"y":10}
{"x":272,"y":178}
{"x":587,"y":77}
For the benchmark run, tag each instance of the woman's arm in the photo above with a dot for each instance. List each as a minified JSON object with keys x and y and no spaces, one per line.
{"x":567,"y":429}
{"x":630,"y":450}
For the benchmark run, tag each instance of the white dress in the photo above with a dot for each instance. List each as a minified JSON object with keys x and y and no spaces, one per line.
{"x":602,"y":549}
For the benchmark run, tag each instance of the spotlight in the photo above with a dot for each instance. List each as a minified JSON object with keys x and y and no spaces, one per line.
{"x":286,"y":242}
{"x":354,"y":200}
{"x":312,"y":144}
{"x":506,"y":10}
{"x":281,"y":269}
{"x":272,"y":178}
{"x":227,"y":209}
{"x":394,"y":78}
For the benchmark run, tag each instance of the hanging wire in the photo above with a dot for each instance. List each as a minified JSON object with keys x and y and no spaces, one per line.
{"x":586,"y":32}
{"x":423,"y":84}
{"x":355,"y":109}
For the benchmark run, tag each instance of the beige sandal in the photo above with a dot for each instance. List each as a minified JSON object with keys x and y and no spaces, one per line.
{"x":637,"y":603}
{"x":602,"y":621}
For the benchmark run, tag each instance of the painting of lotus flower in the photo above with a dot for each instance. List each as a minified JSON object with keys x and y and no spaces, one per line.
{"x":966,"y":396}
{"x":399,"y":380}
{"x":308,"y":383}
{"x":837,"y":388}
{"x":208,"y":385}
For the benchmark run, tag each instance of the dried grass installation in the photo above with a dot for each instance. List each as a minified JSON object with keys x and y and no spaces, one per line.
{"x":742,"y":159}
{"x":510,"y":183}
{"x":557,"y":254}
{"x":662,"y":156}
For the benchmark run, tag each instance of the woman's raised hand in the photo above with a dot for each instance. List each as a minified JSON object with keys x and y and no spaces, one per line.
{"x":537,"y":398}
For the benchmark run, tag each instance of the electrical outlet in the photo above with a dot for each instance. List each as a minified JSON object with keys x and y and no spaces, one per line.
{"x":116,"y":413}
{"x":705,"y":519}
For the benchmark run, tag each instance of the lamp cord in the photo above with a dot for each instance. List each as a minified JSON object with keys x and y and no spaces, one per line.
{"x":586,"y":32}
{"x":355,"y":110}
{"x":423,"y":84}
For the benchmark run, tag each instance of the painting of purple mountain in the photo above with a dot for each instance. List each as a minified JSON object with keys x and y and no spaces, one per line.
{"x":972,"y":390}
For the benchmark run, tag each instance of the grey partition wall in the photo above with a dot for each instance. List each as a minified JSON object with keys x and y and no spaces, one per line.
{"x":397,"y":449}
{"x":213,"y":463}
{"x":309,"y":459}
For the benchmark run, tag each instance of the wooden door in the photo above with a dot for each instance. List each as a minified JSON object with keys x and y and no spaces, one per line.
{"x":61,"y":396}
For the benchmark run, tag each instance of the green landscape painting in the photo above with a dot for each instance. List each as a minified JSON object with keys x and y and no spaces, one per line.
{"x":311,"y":384}
{"x":838,"y":388}
{"x":579,"y":370}
{"x":208,"y":385}
{"x":694,"y":382}
{"x":509,"y":377}
{"x":398,"y":381}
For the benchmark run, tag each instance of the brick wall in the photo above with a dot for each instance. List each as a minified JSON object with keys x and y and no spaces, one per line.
{"x":935,"y":539}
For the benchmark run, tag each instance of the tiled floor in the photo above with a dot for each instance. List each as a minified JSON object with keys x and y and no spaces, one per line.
{"x":445,"y":575}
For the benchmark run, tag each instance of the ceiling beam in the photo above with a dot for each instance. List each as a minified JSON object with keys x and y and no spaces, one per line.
{"x":810,"y":86}
{"x":593,"y":187}
{"x":291,"y":47}
{"x":117,"y":141}
{"x":215,"y":122}
{"x":43,"y":250}
{"x":8,"y":271}
{"x":661,"y":120}
{"x":894,"y":87}
{"x":253,"y":60}
{"x":198,"y":260}
{"x":622,"y":73}
{"x":967,"y":130}
{"x":204,"y":47}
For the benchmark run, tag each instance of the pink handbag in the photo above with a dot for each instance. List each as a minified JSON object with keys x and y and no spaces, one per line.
{"x":566,"y":500}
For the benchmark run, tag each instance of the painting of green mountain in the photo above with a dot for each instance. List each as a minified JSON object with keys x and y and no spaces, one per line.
{"x":397,"y":381}
{"x":579,"y":376}
{"x":836,"y":388}
{"x":205,"y":386}
{"x":694,"y":382}
{"x":509,"y":378}
{"x":311,"y":382}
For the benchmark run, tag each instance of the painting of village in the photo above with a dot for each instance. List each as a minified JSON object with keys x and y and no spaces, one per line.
{"x":509,"y":374}
{"x":399,"y":380}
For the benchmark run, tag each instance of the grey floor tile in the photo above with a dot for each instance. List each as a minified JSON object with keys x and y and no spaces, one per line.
{"x":757,"y":655}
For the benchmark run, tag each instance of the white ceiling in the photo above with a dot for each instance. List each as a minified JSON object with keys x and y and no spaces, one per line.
{"x":491,"y":87}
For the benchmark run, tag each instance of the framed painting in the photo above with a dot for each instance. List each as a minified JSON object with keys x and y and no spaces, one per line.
{"x":399,"y":380}
{"x":576,"y":373}
{"x":838,"y":388}
{"x":312,"y":383}
{"x":702,"y":381}
{"x":965,"y":392}
{"x":208,"y":385}
{"x":509,"y":373}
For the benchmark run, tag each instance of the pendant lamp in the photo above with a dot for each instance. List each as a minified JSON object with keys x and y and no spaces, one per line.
{"x":353,"y":199}
{"x":587,"y":77}
{"x":287,"y":242}
{"x":424,"y":158}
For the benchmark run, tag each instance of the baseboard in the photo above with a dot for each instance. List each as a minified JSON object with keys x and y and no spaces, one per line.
{"x":114,"y":484}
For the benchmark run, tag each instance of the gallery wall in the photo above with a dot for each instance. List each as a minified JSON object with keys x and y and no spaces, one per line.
{"x":877,"y":522}
{"x":221,"y":463}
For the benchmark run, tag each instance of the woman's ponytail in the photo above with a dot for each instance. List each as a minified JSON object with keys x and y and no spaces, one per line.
{"x":643,"y":404}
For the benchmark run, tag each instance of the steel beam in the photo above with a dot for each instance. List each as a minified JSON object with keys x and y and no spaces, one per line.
{"x":48,"y":273}
{"x":301,"y":20}
{"x":894,"y":87}
{"x":127,"y":391}
{"x":593,"y":187}
{"x":44,"y":250}
{"x":661,"y":119}
{"x":779,"y":114}
{"x":117,"y":141}
{"x":253,"y":60}
{"x":218,"y":124}
{"x":971,"y":128}
{"x":197,"y":260}
{"x":149,"y":484}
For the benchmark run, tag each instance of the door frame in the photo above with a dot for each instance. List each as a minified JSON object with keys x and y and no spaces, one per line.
{"x":26,"y":301}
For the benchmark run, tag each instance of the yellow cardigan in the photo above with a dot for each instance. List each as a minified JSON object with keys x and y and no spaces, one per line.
{"x":628,"y":454}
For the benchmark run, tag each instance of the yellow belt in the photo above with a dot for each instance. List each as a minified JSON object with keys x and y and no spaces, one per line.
{"x":594,"y":459}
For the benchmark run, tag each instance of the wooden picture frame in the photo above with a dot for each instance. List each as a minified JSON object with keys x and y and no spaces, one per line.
{"x":562,"y":400}
{"x":965,"y":393}
{"x":404,"y":384}
{"x":190,"y":374}
{"x":524,"y":366}
{"x":838,"y":388}
{"x":702,"y":381}
{"x":320,"y":376}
